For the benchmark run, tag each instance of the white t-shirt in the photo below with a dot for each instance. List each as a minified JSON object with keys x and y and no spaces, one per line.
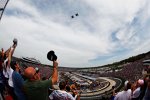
{"x":61,"y":95}
{"x":8,"y":73}
{"x":4,"y":69}
{"x":136,"y":93}
{"x":124,"y":95}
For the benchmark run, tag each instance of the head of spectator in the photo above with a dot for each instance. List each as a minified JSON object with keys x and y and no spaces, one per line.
{"x":140,"y":83}
{"x":15,"y":66}
{"x":2,"y":52}
{"x":68,"y":88}
{"x":62,"y":85}
{"x":73,"y":87}
{"x":127,"y":85}
{"x":30,"y":73}
{"x":2,"y":55}
{"x":44,"y":78}
{"x":113,"y":87}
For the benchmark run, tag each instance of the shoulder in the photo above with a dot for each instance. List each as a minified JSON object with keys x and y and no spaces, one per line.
{"x":46,"y":82}
{"x":16,"y":75}
{"x":54,"y":92}
{"x":70,"y":96}
{"x":129,"y":91}
{"x":27,"y":82}
{"x":137,"y":90}
{"x":119,"y":94}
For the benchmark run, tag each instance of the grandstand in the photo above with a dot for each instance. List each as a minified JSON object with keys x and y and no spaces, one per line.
{"x":94,"y":83}
{"x":91,"y":87}
{"x":31,"y":60}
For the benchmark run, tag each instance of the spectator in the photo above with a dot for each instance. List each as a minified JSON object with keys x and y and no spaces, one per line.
{"x":7,"y":71}
{"x":125,"y":94}
{"x":143,"y":88}
{"x":147,"y":93}
{"x":61,"y":94}
{"x":74,"y":90}
{"x":136,"y":92}
{"x":2,"y":86}
{"x":1,"y":59}
{"x":68,"y":89}
{"x":113,"y":93}
{"x":38,"y":89}
{"x":76,"y":97}
{"x":17,"y":81}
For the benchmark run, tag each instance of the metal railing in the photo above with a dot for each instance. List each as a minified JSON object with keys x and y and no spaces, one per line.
{"x":3,"y":4}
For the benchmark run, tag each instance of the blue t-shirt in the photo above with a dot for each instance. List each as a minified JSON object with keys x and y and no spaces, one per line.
{"x":18,"y":85}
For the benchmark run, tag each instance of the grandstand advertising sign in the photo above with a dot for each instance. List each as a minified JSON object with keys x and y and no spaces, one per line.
{"x":3,"y":4}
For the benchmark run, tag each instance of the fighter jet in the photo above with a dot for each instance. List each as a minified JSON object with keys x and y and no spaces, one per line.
{"x":77,"y":14}
{"x":72,"y":16}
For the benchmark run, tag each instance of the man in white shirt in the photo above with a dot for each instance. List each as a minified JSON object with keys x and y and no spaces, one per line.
{"x":136,"y":93}
{"x":125,"y":94}
{"x":7,"y":70}
{"x":61,"y":94}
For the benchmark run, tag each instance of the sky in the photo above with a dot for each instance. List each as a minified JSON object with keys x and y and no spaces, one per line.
{"x":105,"y":31}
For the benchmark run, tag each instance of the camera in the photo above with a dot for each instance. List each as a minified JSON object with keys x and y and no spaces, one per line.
{"x":51,"y":56}
{"x":37,"y":69}
{"x":15,"y":41}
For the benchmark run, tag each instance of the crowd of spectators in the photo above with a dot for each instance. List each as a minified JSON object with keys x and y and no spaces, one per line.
{"x":131,"y":71}
{"x":139,"y":90}
{"x":137,"y":86}
{"x":21,"y":80}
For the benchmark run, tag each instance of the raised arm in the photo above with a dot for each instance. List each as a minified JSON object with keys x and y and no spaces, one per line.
{"x":12,"y":49}
{"x":55,"y":72}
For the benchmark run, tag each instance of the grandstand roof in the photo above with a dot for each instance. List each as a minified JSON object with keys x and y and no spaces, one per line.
{"x":146,"y":62}
{"x":31,"y":60}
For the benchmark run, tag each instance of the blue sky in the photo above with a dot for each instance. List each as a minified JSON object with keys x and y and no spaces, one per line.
{"x":105,"y":31}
